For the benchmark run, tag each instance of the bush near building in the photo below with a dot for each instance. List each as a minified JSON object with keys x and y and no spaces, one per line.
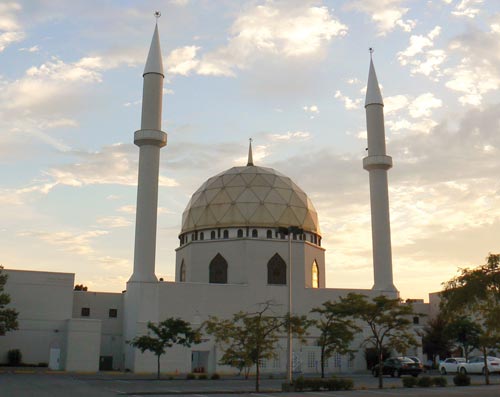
{"x":317,"y":384}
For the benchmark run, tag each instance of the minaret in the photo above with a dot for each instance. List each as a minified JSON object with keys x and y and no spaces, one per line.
{"x":150,"y":139}
{"x":377,"y":163}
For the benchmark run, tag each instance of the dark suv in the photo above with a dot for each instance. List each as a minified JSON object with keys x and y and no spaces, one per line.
{"x":397,"y":366}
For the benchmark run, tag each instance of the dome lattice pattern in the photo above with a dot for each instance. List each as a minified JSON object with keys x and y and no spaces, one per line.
{"x":249,"y":196}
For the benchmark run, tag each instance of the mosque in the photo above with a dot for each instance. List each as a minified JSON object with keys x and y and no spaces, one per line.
{"x":249,"y":235}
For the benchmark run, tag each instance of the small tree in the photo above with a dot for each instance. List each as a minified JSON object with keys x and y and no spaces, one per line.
{"x":80,"y":287}
{"x":336,"y":331}
{"x":172,"y":331}
{"x":8,"y":317}
{"x":476,"y":293}
{"x":436,"y":340}
{"x":249,"y":338}
{"x":388,"y":320}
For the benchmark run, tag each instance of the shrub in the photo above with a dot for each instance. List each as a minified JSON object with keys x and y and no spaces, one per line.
{"x":440,"y":381}
{"x":202,"y":376}
{"x":409,"y":382}
{"x":461,"y":380}
{"x":317,"y":384}
{"x":190,"y":376}
{"x":424,"y":381}
{"x":215,"y":376}
{"x":14,"y":357}
{"x":43,"y":365}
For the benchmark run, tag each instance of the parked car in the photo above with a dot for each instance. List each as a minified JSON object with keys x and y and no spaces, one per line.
{"x":417,"y":360}
{"x":475,"y":365}
{"x":397,"y":366}
{"x":450,"y":365}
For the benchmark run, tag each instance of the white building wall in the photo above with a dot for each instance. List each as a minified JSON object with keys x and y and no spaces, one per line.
{"x":44,"y":302}
{"x":83,"y":345}
{"x":100,"y":304}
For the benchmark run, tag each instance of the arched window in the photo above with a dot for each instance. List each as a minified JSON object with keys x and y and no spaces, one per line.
{"x":218,"y":270}
{"x":181,"y":238}
{"x":269,"y":234}
{"x":193,"y":237}
{"x":255,"y":233}
{"x":240,"y":233}
{"x":202,"y":236}
{"x":182,"y":276}
{"x":212,"y":235}
{"x":315,"y":275}
{"x":276,"y":270}
{"x":226,"y":234}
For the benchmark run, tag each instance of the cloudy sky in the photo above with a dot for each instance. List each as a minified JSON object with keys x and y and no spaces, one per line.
{"x":291,"y":75}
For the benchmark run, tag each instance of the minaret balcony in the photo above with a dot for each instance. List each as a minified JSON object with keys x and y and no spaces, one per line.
{"x":150,"y":137}
{"x":377,"y":162}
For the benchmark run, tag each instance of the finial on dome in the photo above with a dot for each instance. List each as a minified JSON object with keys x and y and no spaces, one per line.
{"x":250,"y":156}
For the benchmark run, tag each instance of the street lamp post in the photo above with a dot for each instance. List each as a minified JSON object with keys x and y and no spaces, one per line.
{"x":290,"y":231}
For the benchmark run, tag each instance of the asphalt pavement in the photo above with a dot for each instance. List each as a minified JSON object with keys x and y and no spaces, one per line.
{"x":26,"y":383}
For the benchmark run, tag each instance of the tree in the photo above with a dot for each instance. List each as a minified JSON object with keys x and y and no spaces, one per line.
{"x":436,"y":340}
{"x":8,"y":317}
{"x":388,"y":320}
{"x":475,"y":293}
{"x":464,"y":332}
{"x":248,"y":338}
{"x":80,"y":287}
{"x":169,"y":332}
{"x":336,"y":331}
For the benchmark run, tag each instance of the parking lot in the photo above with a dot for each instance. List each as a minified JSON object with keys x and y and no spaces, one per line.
{"x":43,"y":384}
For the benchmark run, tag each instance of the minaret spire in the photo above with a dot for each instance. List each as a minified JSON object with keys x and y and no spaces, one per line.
{"x":154,"y":63}
{"x":377,"y":163}
{"x":150,"y":139}
{"x":373,"y":95}
{"x":250,"y":156}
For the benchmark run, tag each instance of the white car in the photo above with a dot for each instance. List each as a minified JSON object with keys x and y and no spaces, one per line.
{"x":450,"y":365}
{"x":475,"y":365}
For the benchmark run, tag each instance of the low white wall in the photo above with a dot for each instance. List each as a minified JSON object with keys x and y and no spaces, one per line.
{"x":83,"y":344}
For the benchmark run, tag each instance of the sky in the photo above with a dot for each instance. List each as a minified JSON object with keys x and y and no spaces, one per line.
{"x":289,"y":74}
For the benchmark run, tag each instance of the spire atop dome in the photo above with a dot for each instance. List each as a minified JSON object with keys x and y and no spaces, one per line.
{"x":373,"y":95}
{"x":154,"y":62}
{"x":250,"y":156}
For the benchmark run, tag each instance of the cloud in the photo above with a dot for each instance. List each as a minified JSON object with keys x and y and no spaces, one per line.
{"x":34,"y":48}
{"x":387,"y":14}
{"x":467,"y":8}
{"x":183,"y":60}
{"x":477,"y":72}
{"x":312,"y":110}
{"x":114,"y":222}
{"x":127,"y":209}
{"x":350,"y":104}
{"x":10,"y":29}
{"x":395,"y":103}
{"x":275,"y":28}
{"x":421,"y":55}
{"x":180,"y":3}
{"x":423,"y":105}
{"x":296,"y":135}
{"x":77,"y":243}
{"x":115,"y":164}
{"x":8,"y":38}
